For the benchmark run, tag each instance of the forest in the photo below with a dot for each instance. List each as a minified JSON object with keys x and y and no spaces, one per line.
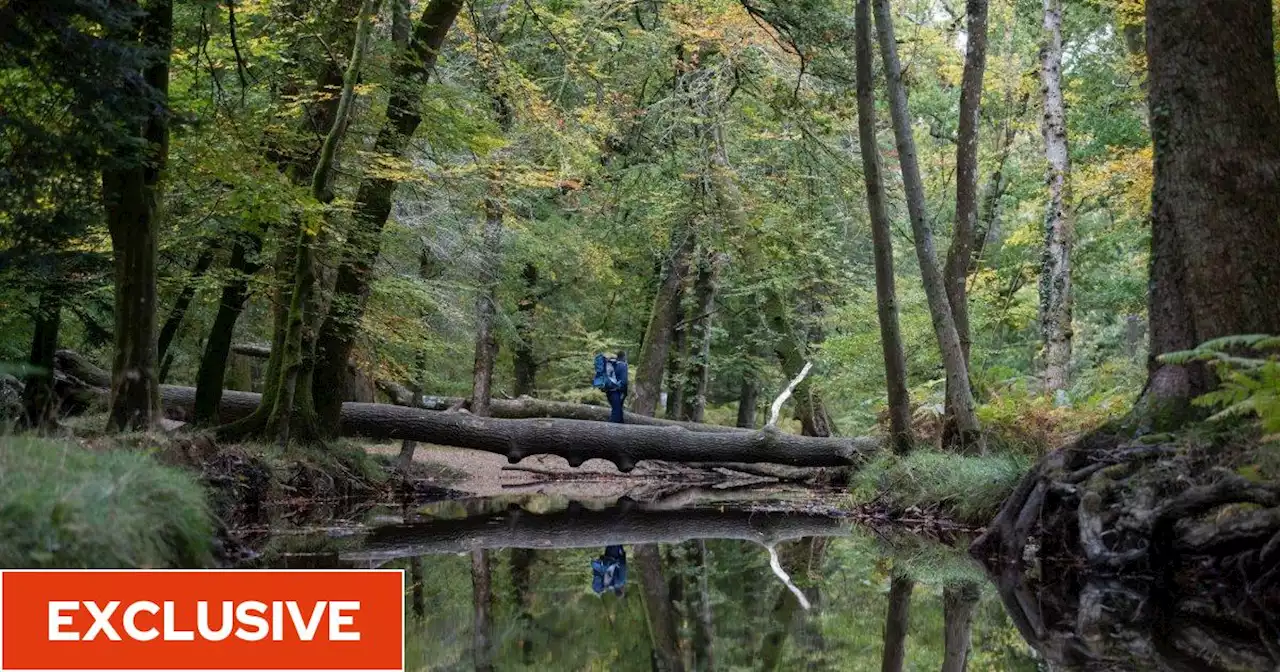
{"x":1011,"y":263}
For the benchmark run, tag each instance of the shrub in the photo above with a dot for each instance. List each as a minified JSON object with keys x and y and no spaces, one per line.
{"x":64,"y":506}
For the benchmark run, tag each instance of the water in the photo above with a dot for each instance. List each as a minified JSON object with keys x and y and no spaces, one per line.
{"x":507,"y":584}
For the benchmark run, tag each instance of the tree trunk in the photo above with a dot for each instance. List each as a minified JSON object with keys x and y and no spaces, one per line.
{"x":486,"y":302}
{"x":658,"y":608}
{"x":895,"y":623}
{"x":698,"y":378}
{"x":646,"y":385}
{"x":958,"y":603}
{"x":213,"y":364}
{"x":40,"y":403}
{"x":179,"y":311}
{"x":418,"y":578}
{"x":1055,"y":271}
{"x":747,"y":399}
{"x":132,"y":199}
{"x":795,"y":557}
{"x":524,"y":355}
{"x":521,"y":574}
{"x":412,"y":68}
{"x":895,"y":365}
{"x":810,"y":409}
{"x":959,"y":253}
{"x":677,"y":355}
{"x":968,"y":430}
{"x":1215,"y":120}
{"x":704,"y":633}
{"x":482,"y":600}
{"x":626,"y":523}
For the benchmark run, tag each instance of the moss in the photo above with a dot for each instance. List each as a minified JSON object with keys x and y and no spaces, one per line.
{"x":64,"y":506}
{"x":966,"y":489}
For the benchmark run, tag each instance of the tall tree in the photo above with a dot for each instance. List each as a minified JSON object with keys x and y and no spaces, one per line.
{"x":1215,"y":121}
{"x":698,"y":378}
{"x":968,"y":431}
{"x":958,"y":602}
{"x":1055,"y":271}
{"x":131,"y":195}
{"x":411,"y":70}
{"x":647,"y":384}
{"x":895,"y":366}
{"x":663,"y":628}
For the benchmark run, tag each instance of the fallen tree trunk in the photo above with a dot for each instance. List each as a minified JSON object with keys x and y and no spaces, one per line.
{"x":528,"y":407}
{"x":581,"y":440}
{"x":575,"y":440}
{"x":576,"y":527}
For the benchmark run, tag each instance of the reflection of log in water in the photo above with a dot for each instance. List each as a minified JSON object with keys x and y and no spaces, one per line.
{"x":1114,"y":556}
{"x":625,"y":523}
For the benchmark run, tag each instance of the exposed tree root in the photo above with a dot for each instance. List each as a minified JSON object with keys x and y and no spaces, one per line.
{"x":1113,"y":555}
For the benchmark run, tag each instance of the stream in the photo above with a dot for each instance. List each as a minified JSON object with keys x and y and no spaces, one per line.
{"x":792,"y":581}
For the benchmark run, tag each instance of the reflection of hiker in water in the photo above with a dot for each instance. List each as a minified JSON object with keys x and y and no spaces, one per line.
{"x":609,"y":571}
{"x":611,"y":376}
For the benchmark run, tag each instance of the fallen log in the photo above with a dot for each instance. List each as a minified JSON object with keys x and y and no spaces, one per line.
{"x":577,"y":527}
{"x":576,"y":440}
{"x":528,"y":407}
{"x":580,"y":440}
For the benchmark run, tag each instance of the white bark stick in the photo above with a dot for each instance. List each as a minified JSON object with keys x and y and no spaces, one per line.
{"x":786,"y":394}
{"x":786,"y":580}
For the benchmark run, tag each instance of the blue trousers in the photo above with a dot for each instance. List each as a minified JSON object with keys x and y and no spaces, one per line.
{"x":615,"y":405}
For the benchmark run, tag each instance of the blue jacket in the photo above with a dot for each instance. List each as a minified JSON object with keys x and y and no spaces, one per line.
{"x":609,"y":571}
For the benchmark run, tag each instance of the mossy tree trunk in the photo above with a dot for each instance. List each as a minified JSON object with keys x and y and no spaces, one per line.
{"x":646,"y":386}
{"x":968,"y":437}
{"x":698,"y":376}
{"x":217,"y":349}
{"x":180,"y":306}
{"x":412,"y":67}
{"x":524,"y":354}
{"x":895,"y":365}
{"x":131,"y":196}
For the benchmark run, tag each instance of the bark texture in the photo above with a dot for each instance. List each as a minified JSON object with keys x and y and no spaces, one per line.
{"x":698,"y":378}
{"x":1055,"y":269}
{"x":411,"y":69}
{"x":895,"y":365}
{"x":213,"y":363}
{"x":1215,"y":122}
{"x":131,"y":196}
{"x":968,"y":430}
{"x":524,"y":356}
{"x":646,"y":383}
{"x":487,"y":300}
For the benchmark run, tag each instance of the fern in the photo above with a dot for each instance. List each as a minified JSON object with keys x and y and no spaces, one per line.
{"x":1250,"y":385}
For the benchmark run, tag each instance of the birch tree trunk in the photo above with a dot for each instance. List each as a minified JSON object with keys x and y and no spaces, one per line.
{"x":968,"y":430}
{"x":895,"y":366}
{"x":1055,"y":271}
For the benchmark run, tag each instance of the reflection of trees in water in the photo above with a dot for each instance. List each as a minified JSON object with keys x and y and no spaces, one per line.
{"x":723,"y":608}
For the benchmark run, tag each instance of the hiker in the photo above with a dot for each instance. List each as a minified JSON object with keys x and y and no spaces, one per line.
{"x":611,"y":376}
{"x":609,"y":571}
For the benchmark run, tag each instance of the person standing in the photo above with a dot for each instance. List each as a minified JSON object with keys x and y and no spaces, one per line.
{"x":612,"y":377}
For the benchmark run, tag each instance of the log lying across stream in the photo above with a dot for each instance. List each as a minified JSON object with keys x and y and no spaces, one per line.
{"x":577,"y":440}
{"x":576,"y":527}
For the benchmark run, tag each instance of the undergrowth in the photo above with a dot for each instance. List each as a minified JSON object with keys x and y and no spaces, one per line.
{"x":966,"y":489}
{"x":62,"y":506}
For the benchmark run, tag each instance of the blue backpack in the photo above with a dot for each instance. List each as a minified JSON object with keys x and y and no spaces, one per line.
{"x":606,"y":378}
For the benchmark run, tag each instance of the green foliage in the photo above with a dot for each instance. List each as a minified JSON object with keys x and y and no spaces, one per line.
{"x":967,"y":489}
{"x":1248,"y":371}
{"x":62,"y":505}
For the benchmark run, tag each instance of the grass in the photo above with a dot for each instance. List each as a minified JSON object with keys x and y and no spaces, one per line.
{"x":967,"y":489}
{"x":62,"y":506}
